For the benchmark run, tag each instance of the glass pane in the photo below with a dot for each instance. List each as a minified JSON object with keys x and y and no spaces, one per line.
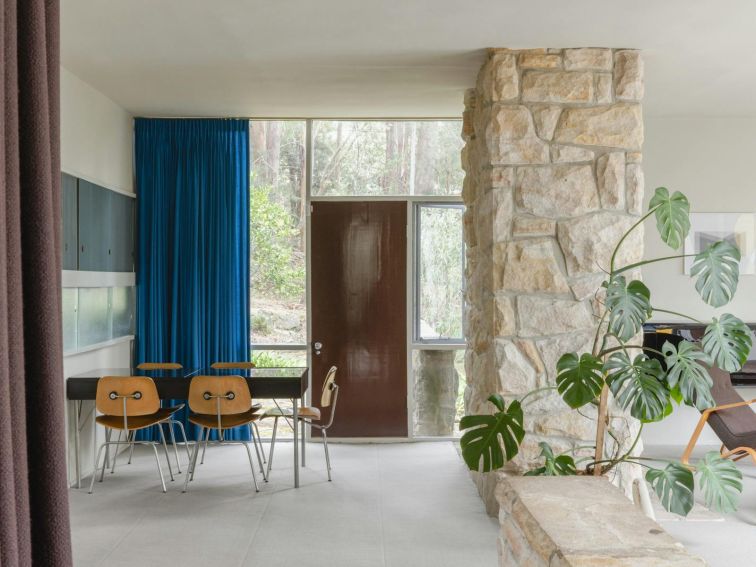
{"x":277,"y":232}
{"x":439,"y":382}
{"x":440,"y":272}
{"x":123,"y":311}
{"x":273,"y":358}
{"x":94,"y":316}
{"x":70,"y":295}
{"x":378,"y":157}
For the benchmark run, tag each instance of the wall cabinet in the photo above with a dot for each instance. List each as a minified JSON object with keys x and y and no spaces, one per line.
{"x":104,"y":226}
{"x":70,"y":237}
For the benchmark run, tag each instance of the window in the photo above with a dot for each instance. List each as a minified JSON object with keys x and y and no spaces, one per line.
{"x":439,"y":272}
{"x":277,"y":233}
{"x":94,"y":315}
{"x":375,"y":157}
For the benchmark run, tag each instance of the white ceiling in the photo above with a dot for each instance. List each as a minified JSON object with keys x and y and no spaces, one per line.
{"x":386,"y":58}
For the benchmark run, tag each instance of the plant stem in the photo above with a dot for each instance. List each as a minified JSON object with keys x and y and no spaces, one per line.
{"x":615,"y":349}
{"x":651,"y":261}
{"x":536,"y":391}
{"x":624,"y":236}
{"x":678,"y":314}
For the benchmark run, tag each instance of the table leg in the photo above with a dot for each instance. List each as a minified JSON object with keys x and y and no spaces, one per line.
{"x":295,"y":414}
{"x":77,"y":448}
{"x":303,"y":442}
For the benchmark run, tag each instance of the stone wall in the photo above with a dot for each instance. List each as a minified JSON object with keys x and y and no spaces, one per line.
{"x":553,"y":178}
{"x":579,"y":522}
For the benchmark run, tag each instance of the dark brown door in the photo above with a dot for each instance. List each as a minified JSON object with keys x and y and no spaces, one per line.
{"x":359,"y":306}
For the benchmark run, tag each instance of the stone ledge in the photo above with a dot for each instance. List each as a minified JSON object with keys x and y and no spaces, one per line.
{"x":580,"y":522}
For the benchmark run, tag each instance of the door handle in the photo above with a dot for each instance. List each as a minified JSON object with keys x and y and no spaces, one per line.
{"x":317,"y":346}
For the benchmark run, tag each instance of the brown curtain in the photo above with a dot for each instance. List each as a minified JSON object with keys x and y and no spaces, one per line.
{"x":34,"y":525}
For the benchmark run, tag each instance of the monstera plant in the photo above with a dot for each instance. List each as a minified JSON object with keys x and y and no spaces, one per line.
{"x":619,"y":365}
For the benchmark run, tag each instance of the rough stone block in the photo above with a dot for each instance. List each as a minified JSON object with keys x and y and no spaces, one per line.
{"x":610,"y":174}
{"x":533,"y":226}
{"x":552,"y":348}
{"x":588,"y":58}
{"x":505,"y":319}
{"x":587,"y":242}
{"x":546,"y":118}
{"x":539,"y":59}
{"x":542,"y":316}
{"x":557,"y":86}
{"x":498,"y":79}
{"x":616,"y":126}
{"x":604,"y":88}
{"x":557,"y":191}
{"x":529,"y":266}
{"x":570,"y":154}
{"x":511,"y":139}
{"x":516,"y":375}
{"x":628,"y":75}
{"x":635,"y":188}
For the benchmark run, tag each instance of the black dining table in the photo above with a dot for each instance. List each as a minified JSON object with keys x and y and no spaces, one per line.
{"x":264,"y":383}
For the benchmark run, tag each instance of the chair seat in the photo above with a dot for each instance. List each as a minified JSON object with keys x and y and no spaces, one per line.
{"x":227,"y":421}
{"x":138,"y":421}
{"x":305,"y":412}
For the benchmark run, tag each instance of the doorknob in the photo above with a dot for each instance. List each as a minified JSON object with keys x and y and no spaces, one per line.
{"x":318,"y":346}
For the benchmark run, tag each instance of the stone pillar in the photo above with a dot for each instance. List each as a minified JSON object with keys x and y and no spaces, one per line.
{"x":436,"y":387}
{"x":553,"y":178}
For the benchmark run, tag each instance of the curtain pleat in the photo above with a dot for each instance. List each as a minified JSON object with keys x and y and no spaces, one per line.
{"x":34,"y":522}
{"x":193,"y":243}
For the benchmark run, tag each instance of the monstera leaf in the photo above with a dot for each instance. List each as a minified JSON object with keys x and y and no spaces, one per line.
{"x":674,"y":486}
{"x":579,"y":378}
{"x":717,"y":269}
{"x":638,"y":385}
{"x":672,"y":216}
{"x":554,"y":465}
{"x":487,"y":434}
{"x":721,"y":482}
{"x":629,"y":307}
{"x":685,"y":369}
{"x":727,"y":341}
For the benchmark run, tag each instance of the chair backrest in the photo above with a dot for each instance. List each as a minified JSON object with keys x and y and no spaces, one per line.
{"x":159,"y":366}
{"x":138,"y":392}
{"x":329,"y":385}
{"x":219,"y":395}
{"x":729,"y":424}
{"x":241,"y":365}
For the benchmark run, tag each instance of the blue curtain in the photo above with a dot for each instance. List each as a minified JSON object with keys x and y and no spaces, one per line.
{"x":192,"y":179}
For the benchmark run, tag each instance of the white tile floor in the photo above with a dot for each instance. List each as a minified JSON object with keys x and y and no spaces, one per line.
{"x":409,"y":504}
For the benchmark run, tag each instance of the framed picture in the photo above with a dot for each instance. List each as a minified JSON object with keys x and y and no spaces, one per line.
{"x":737,"y":228}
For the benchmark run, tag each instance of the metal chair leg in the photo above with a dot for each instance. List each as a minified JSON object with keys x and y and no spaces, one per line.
{"x":186,"y":442}
{"x":302,"y":439}
{"x":175,"y":447}
{"x":207,"y":438}
{"x":328,"y":459}
{"x":157,"y":460}
{"x":131,"y":449}
{"x":107,"y":451}
{"x":115,"y":452}
{"x":251,"y":465}
{"x":259,"y":459}
{"x":165,"y":448}
{"x":259,"y":440}
{"x":94,"y":473}
{"x":272,"y":446}
{"x":192,"y":464}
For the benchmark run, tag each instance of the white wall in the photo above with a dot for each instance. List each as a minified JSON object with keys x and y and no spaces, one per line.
{"x":97,"y":145}
{"x":710,"y":159}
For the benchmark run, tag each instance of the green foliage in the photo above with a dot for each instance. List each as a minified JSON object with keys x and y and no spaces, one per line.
{"x":272,"y":241}
{"x":487,"y":434}
{"x":727,"y":341}
{"x":717,"y":269}
{"x":672,"y":216}
{"x":674,"y":486}
{"x":629,"y":307}
{"x":267,"y":359}
{"x":579,"y":378}
{"x":554,"y":465}
{"x":721,"y":482}
{"x":643,"y":385}
{"x":638,"y":385}
{"x":685,"y":369}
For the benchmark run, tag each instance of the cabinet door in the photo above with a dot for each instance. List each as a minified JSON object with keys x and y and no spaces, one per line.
{"x":122,"y":244}
{"x":69,"y":202}
{"x":95,"y":227}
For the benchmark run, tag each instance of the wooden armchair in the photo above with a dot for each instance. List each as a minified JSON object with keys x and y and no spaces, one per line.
{"x":732,"y":419}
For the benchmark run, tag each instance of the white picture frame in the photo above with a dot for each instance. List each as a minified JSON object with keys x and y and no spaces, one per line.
{"x":738,"y":228}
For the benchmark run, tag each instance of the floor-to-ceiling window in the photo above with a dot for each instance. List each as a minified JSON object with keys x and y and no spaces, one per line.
{"x":296,"y":162}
